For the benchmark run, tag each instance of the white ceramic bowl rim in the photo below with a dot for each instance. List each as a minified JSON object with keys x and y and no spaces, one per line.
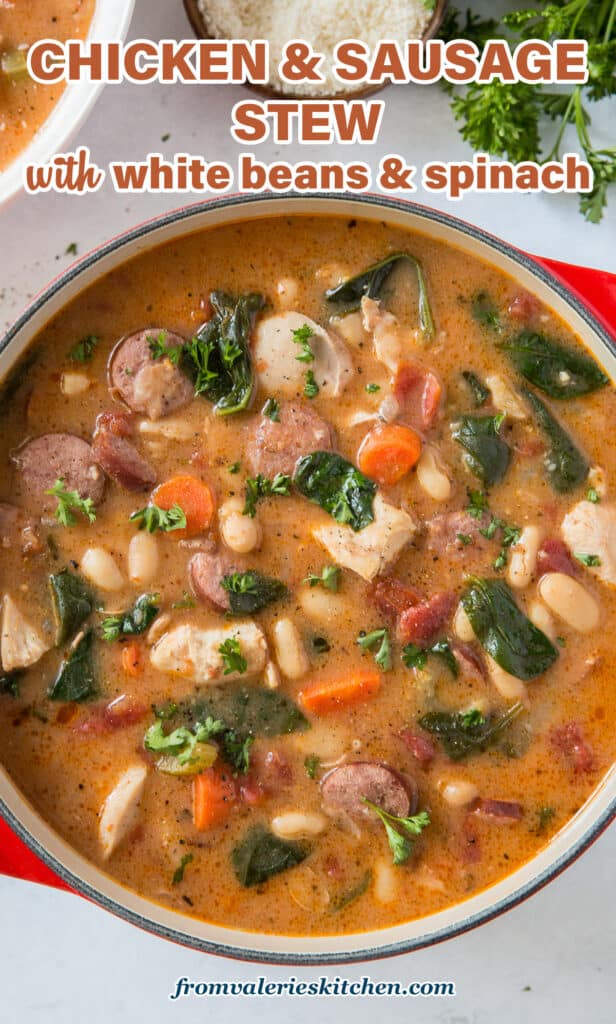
{"x":575,"y":837}
{"x":110,"y":20}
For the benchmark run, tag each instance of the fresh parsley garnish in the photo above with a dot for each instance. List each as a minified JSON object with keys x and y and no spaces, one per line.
{"x":132,"y":622}
{"x":399,"y":830}
{"x":311,"y":388}
{"x":232,"y":657}
{"x":312,"y":764}
{"x":271,"y":409}
{"x":152,"y":518}
{"x":417,"y":657}
{"x":178,"y":874}
{"x":69,"y":500}
{"x":471,"y":719}
{"x":477,"y":504}
{"x":83,"y":351}
{"x":464,"y":538}
{"x":161,"y":350}
{"x":235,"y":467}
{"x":588,"y":560}
{"x":240,"y":583}
{"x":261,"y":487}
{"x":592,"y":495}
{"x":380,"y":637}
{"x":301,"y":337}
{"x":236,"y":750}
{"x":186,"y":602}
{"x":373,"y":388}
{"x":329,"y":578}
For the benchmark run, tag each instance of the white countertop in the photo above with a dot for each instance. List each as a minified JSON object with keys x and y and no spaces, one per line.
{"x":63,"y":960}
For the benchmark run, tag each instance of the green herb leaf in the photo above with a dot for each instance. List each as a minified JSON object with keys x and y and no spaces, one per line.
{"x":83,"y":351}
{"x":76,"y":680}
{"x":271,"y":409}
{"x":487,"y":455}
{"x":373,"y":388}
{"x":478,"y":390}
{"x":232,"y":657}
{"x":399,"y":830}
{"x":485,"y":313}
{"x":69,"y":500}
{"x":301,"y":337}
{"x":466,"y":733}
{"x":416,"y":657}
{"x":312,"y":763}
{"x":246,"y":709}
{"x":565,"y":466}
{"x":160,"y":348}
{"x":250,"y":591}
{"x":235,"y":467}
{"x":178,"y":874}
{"x":332,"y":482}
{"x":186,"y":602}
{"x":329,"y":578}
{"x":260,"y":487}
{"x":132,"y":622}
{"x":311,"y":388}
{"x":592,"y":495}
{"x":9,"y":682}
{"x":380,"y":638}
{"x":508,"y":636}
{"x":344,"y":899}
{"x":152,"y":518}
{"x":72,"y":602}
{"x":261,"y":855}
{"x":590,"y":561}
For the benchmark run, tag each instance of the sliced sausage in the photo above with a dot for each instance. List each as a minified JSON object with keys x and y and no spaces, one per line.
{"x":154,"y":387}
{"x":554,"y":556}
{"x":392,"y":596}
{"x":344,"y":788}
{"x":420,"y":624}
{"x":274,"y":446}
{"x":569,"y":740}
{"x":206,"y":570}
{"x":419,"y":394}
{"x":119,"y":423}
{"x":421,"y":747}
{"x":444,"y":533}
{"x":52,"y":457}
{"x":122,"y":462}
{"x":499,"y":810}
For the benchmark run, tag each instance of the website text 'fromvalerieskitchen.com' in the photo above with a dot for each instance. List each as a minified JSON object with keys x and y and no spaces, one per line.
{"x":322,"y":986}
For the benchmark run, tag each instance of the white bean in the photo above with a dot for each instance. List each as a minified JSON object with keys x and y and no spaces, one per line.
{"x":239,"y":532}
{"x":431,"y":476}
{"x":74,"y":384}
{"x":385,"y":882}
{"x":570,"y":601}
{"x":509,"y":687}
{"x":523,"y":558}
{"x":298,"y":825}
{"x":319,"y":603}
{"x":290,"y":653}
{"x":158,"y":628}
{"x":102,"y":569}
{"x":541,"y":618}
{"x":331,"y":274}
{"x":143,"y":558}
{"x":457,"y":792}
{"x":271,"y":676}
{"x":287,"y":291}
{"x":462,"y":626}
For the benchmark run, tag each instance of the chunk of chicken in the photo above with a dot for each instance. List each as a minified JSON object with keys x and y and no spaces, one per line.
{"x":21,"y":644}
{"x":282,"y":373}
{"x":505,"y":398}
{"x":391,"y":341}
{"x":590,"y":529}
{"x":119,"y":811}
{"x":370,"y":551}
{"x":195,"y":653}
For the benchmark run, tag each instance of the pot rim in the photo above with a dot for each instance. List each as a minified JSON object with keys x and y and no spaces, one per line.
{"x":376,"y":949}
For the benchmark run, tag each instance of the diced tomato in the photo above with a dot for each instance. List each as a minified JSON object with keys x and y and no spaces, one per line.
{"x":419,"y":393}
{"x":420,"y":624}
{"x":569,"y":740}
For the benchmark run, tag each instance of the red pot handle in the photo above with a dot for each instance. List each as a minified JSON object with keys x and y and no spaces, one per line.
{"x":596,"y":289}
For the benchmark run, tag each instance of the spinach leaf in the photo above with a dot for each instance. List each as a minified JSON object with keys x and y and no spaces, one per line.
{"x":416,"y":657}
{"x":565,"y":466}
{"x":261,"y":855}
{"x":9,"y":682}
{"x":250,"y":591}
{"x":247,"y":709}
{"x":505,"y":632}
{"x":218,"y":358}
{"x":72,"y":602}
{"x":370,"y":283}
{"x":348,"y":896}
{"x":478,"y":390}
{"x":559,"y":371}
{"x":337,"y":486}
{"x":462,"y":734}
{"x":487,"y":455}
{"x":76,"y":680}
{"x":485,"y":312}
{"x":132,"y":622}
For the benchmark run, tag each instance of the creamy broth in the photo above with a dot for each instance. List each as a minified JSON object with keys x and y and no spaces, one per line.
{"x":489,"y":811}
{"x":25,"y":105}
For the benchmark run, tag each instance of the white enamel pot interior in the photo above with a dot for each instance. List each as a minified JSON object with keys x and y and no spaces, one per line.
{"x":573,"y":838}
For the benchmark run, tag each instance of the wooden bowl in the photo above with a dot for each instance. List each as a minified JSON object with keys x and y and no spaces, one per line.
{"x":196,"y":20}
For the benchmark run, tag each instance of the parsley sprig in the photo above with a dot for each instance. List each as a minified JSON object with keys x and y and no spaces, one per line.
{"x":69,"y":501}
{"x":261,"y":487}
{"x":400,"y":831}
{"x":232,"y":657}
{"x":377,"y":638}
{"x":152,"y":518}
{"x":160,"y":348}
{"x":301,"y":337}
{"x":329,"y":578}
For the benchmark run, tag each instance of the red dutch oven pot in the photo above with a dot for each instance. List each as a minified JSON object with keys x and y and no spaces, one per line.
{"x":29,"y":849}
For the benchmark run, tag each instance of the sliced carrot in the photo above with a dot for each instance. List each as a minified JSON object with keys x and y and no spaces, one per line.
{"x":388,"y":452}
{"x":213,"y":797}
{"x":195,"y":498}
{"x":330,"y":695}
{"x":131,"y":659}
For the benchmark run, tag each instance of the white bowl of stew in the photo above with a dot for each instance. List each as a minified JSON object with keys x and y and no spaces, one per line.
{"x":38,"y":120}
{"x":206,"y":728}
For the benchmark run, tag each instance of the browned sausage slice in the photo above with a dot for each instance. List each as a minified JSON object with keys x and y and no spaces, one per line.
{"x":52,"y":457}
{"x":345,"y":787}
{"x":206,"y":570}
{"x":274,"y":446}
{"x":122,"y":462}
{"x":154,"y":387}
